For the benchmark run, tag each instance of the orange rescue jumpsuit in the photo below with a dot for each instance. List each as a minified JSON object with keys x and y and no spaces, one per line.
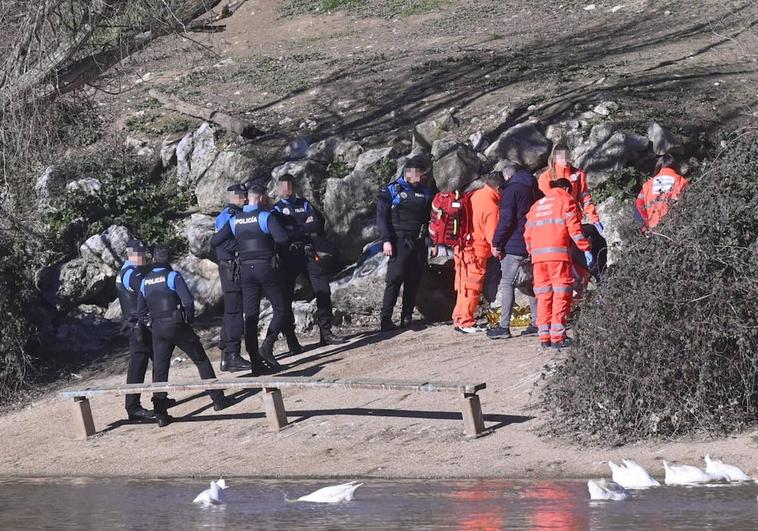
{"x":551,"y":225}
{"x":657,"y":194}
{"x":471,"y":259}
{"x":579,"y":189}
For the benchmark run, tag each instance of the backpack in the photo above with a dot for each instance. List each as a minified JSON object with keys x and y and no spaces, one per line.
{"x":451,"y":221}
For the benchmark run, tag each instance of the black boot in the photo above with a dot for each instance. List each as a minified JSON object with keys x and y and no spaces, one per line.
{"x":161,"y":412}
{"x":406,"y":320}
{"x":233,"y":362}
{"x":293,"y":344}
{"x":328,"y":338}
{"x":266,"y":353}
{"x":387,"y":325}
{"x":141,"y":414}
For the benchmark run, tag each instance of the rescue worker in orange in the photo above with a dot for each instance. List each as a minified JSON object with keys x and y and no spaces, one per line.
{"x":551,"y":225}
{"x":471,"y":257}
{"x":559,"y":167}
{"x":659,"y":192}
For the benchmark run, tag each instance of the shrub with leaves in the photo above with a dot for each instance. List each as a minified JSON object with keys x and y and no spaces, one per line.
{"x":129,"y":196}
{"x":668,"y":344}
{"x":17,"y":298}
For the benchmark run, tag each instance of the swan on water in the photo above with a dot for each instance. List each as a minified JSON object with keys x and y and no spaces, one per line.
{"x":333,"y":494}
{"x":214,"y":495}
{"x":601,"y":489}
{"x":630,"y":475}
{"x":688,"y":475}
{"x":716,"y":466}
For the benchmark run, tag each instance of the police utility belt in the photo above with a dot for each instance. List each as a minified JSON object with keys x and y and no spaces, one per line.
{"x":234,"y":266}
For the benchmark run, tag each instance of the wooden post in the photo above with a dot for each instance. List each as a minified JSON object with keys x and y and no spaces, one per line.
{"x":473,"y":422}
{"x":275,"y":412}
{"x":84,"y":425}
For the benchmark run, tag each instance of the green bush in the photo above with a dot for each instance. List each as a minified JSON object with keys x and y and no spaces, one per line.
{"x":17,"y":297}
{"x":621,"y":185}
{"x":130,"y":196}
{"x":667,"y":345}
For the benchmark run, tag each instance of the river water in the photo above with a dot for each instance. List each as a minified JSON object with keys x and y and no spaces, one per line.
{"x":461,"y":505}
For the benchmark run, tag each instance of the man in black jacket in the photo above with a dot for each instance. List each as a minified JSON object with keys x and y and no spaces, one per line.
{"x":229,"y":272}
{"x":402,"y":212}
{"x":305,"y":227}
{"x":517,"y":196}
{"x":166,"y":304}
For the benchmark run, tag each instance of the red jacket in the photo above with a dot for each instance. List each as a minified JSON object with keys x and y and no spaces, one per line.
{"x":579,"y":189}
{"x":657,"y":194}
{"x":485,"y":212}
{"x":552,"y":225}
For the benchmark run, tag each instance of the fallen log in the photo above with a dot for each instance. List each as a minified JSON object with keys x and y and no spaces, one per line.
{"x":228,"y":122}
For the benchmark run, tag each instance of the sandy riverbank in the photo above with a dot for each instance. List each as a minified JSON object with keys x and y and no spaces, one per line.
{"x":342,"y":432}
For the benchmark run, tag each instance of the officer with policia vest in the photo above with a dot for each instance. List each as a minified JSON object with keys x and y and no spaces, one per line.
{"x":552,"y":226}
{"x":305,"y":226}
{"x":167,"y":306}
{"x":231,"y":284}
{"x":128,"y":283}
{"x":402,"y":212}
{"x":258,"y":233}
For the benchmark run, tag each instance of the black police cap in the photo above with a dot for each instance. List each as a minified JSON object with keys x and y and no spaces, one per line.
{"x":236,"y":188}
{"x":136,"y":246}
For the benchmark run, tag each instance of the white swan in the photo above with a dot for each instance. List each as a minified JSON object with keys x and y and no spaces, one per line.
{"x":333,"y":494}
{"x":606,"y":490}
{"x":716,"y":466}
{"x":214,"y":495}
{"x":631,"y":475}
{"x":688,"y":475}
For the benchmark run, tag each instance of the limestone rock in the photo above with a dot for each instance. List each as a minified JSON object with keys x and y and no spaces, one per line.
{"x":195,"y":153}
{"x":425,"y":133}
{"x":87,"y":186}
{"x":108,"y":247}
{"x":601,"y":158}
{"x":523,"y":144}
{"x":457,"y":169}
{"x":663,"y":140}
{"x":200,"y":230}
{"x":333,"y":149}
{"x":78,"y":281}
{"x":203,"y":281}
{"x":229,"y":167}
{"x":49,"y":185}
{"x":376,"y":161}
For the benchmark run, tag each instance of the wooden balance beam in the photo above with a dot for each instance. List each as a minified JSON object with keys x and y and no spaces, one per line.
{"x":473,"y":421}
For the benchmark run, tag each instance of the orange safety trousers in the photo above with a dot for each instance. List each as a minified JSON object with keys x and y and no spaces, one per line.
{"x":470,"y":270}
{"x":553,"y":287}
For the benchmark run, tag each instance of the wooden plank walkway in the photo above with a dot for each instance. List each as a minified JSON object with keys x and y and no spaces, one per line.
{"x":276,"y":414}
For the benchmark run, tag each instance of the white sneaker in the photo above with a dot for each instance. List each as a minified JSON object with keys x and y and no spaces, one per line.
{"x":469,"y":329}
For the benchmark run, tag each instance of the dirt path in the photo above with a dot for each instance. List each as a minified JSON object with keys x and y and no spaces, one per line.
{"x":342,"y":432}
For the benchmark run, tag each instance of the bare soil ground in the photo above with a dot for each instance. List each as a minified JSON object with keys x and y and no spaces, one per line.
{"x":691,"y":66}
{"x":344,"y":433}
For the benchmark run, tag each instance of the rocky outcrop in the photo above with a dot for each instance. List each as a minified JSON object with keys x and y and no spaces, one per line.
{"x":203,"y":281}
{"x":84,"y":186}
{"x":199,"y":232}
{"x":425,"y":133}
{"x":663,"y":141}
{"x":456,"y":168}
{"x":50,"y":185}
{"x":108,"y":248}
{"x":523,"y":144}
{"x":76,"y":282}
{"x":335,"y":149}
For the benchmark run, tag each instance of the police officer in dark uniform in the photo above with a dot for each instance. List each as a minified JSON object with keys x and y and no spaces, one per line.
{"x":228,"y":269}
{"x":403,"y":209}
{"x":258,"y":233}
{"x":305,"y":226}
{"x":165,"y":302}
{"x":128,"y":283}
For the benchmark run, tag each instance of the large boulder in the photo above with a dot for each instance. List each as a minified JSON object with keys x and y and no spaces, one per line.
{"x":358,"y":290}
{"x":349,"y":204}
{"x":200,"y":230}
{"x":425,"y":133}
{"x":600,"y":158}
{"x":76,"y":282}
{"x":334,"y":149}
{"x":49,"y":185}
{"x":203,"y":281}
{"x":208,"y":169}
{"x":457,"y":168}
{"x":109,"y":247}
{"x":523,"y":144}
{"x":663,"y":140}
{"x":309,"y":176}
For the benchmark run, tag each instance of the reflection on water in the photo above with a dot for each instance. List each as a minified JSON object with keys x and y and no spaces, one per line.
{"x":461,"y":505}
